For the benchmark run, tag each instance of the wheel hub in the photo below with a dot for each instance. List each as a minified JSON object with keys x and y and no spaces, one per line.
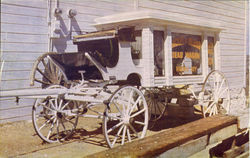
{"x":126,"y":120}
{"x":59,"y":115}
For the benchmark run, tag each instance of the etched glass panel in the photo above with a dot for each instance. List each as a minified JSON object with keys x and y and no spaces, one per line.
{"x":186,"y":54}
{"x":158,"y":53}
{"x":210,"y":53}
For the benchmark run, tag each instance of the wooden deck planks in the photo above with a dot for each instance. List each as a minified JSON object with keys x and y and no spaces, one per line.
{"x":168,"y":139}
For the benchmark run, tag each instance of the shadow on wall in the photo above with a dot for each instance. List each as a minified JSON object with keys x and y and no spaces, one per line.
{"x":60,"y":44}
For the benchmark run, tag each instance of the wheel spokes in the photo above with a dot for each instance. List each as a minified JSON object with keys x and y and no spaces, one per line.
{"x":117,"y":135}
{"x":217,"y":91}
{"x":124,"y":134}
{"x":122,"y":120}
{"x":47,"y":125}
{"x":114,"y":127}
{"x":46,"y":72}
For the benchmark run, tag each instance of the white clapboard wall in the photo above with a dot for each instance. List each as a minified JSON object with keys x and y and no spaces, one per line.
{"x":24,"y":36}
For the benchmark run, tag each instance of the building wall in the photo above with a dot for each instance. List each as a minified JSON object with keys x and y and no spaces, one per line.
{"x":25,"y":32}
{"x":24,"y":37}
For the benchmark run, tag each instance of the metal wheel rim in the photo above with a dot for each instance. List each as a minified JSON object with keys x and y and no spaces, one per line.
{"x":216,"y":94}
{"x":125,"y":122}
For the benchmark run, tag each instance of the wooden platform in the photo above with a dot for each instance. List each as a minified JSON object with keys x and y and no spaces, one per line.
{"x":198,"y":133}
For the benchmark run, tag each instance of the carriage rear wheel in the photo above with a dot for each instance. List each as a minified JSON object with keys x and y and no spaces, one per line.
{"x":126,"y":116}
{"x":156,"y":105}
{"x":215,"y":95}
{"x":45,"y":72}
{"x":54,"y":119}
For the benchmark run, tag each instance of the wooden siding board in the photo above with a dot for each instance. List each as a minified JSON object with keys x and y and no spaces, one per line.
{"x":229,"y":58}
{"x":12,"y":104}
{"x":232,"y":69}
{"x":183,"y":11}
{"x":24,"y":38}
{"x":235,"y":36}
{"x":17,"y":75}
{"x":232,"y":41}
{"x":23,"y":19}
{"x":23,"y":10}
{"x":19,"y":56}
{"x":201,"y":7}
{"x":233,"y":31}
{"x":24,"y":29}
{"x":232,"y":53}
{"x":24,"y":46}
{"x":232,"y":3}
{"x":234,"y":75}
{"x":232,"y":47}
{"x":221,"y":6}
{"x":17,"y":66}
{"x":87,"y":9}
{"x":229,"y":63}
{"x":120,"y":2}
{"x":15,"y":84}
{"x":42,"y":4}
{"x":103,"y":4}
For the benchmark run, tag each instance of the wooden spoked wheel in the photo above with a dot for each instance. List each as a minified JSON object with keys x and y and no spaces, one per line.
{"x":156,"y":104}
{"x":155,"y":99}
{"x":45,"y":72}
{"x":54,"y":119}
{"x":215,"y":95}
{"x":126,"y":116}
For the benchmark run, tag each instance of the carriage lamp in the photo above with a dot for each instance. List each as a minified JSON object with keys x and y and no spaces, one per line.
{"x":57,"y":12}
{"x":72,"y":13}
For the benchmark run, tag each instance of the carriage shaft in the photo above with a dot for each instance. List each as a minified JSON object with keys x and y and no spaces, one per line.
{"x":32,"y":92}
{"x":85,"y":98}
{"x":69,"y":94}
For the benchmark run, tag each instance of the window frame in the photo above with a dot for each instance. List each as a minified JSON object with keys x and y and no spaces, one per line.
{"x":191,"y":79}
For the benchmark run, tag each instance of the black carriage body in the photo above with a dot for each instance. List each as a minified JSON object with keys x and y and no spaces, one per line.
{"x":72,"y":63}
{"x":102,"y":46}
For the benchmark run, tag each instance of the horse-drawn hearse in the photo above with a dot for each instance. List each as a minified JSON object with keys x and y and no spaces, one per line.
{"x":131,"y":66}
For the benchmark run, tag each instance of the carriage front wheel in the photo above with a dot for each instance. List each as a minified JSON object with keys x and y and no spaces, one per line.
{"x":215,"y":95}
{"x":126,"y":116}
{"x":54,"y":119}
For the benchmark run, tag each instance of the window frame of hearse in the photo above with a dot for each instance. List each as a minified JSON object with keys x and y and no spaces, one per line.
{"x":209,"y":54}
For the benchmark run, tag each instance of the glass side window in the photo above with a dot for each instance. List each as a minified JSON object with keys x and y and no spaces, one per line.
{"x":158,"y":53}
{"x":136,"y":45}
{"x":186,"y":54}
{"x":211,"y":65}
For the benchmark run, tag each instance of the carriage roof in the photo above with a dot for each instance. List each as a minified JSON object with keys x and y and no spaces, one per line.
{"x":95,"y":36}
{"x":109,"y":26}
{"x":153,"y":18}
